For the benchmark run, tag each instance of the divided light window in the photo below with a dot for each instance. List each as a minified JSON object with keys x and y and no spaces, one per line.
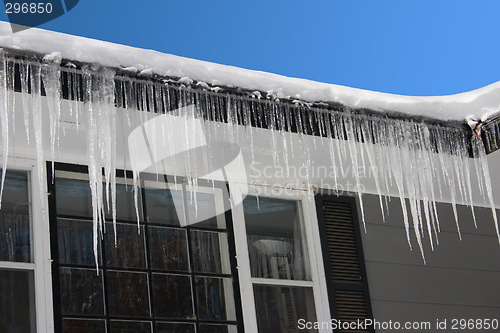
{"x":165,"y":275}
{"x":17,"y":292}
{"x":280,"y":266}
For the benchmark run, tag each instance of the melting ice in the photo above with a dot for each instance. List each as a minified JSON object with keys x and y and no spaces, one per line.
{"x":400,"y":153}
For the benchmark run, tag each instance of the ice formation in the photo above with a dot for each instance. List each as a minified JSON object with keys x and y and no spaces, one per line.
{"x":397,"y":151}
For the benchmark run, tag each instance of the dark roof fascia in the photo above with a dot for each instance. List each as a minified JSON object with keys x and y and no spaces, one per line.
{"x":489,"y":130}
{"x":122,"y":74}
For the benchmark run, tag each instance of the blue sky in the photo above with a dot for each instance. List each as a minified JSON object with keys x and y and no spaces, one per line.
{"x":397,"y":46}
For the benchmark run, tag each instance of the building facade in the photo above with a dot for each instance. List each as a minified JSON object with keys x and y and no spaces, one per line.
{"x":139,"y":202}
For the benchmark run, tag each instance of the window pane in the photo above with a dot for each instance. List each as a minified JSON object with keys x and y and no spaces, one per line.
{"x":279,"y":308}
{"x":128,"y":294}
{"x":202,"y":209}
{"x":207,"y":254}
{"x":15,"y":237}
{"x":125,"y":206}
{"x":171,"y":207}
{"x":174,"y":328}
{"x":17,"y":304}
{"x":129,"y":249}
{"x":160,"y":206}
{"x":169,"y":249}
{"x":83,"y":326}
{"x":130,"y":327}
{"x":172,"y":296}
{"x":15,"y":197}
{"x":81,"y":291}
{"x":73,"y":199}
{"x":15,"y":232}
{"x":215,"y":298}
{"x":275,"y":238}
{"x":205,"y":328}
{"x":76,"y":242}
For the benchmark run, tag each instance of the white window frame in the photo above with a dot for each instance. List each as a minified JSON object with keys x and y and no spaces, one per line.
{"x":318,"y":279}
{"x":40,"y":240}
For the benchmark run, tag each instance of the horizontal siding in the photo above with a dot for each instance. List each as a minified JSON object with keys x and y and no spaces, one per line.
{"x":394,"y":218}
{"x":415,"y":312}
{"x":461,"y":278}
{"x":388,"y":244}
{"x":421,"y":284}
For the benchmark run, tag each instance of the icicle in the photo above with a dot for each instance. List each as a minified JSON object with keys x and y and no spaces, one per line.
{"x":4,"y":119}
{"x":24,"y":71}
{"x":11,"y":102}
{"x":36,"y":78}
{"x":445,"y":157}
{"x":51,"y":82}
{"x":466,"y":168}
{"x":397,"y":171}
{"x":365,"y":130}
{"x":95,"y":178}
{"x":401,"y":153}
{"x":353,"y":148}
{"x":101,"y":146}
{"x":283,"y":127}
{"x":480,"y":154}
{"x":329,"y":135}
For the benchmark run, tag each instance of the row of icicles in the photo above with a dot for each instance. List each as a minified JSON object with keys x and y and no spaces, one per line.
{"x":401,"y":154}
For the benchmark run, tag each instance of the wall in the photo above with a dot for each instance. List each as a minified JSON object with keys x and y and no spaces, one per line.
{"x":460,"y":280}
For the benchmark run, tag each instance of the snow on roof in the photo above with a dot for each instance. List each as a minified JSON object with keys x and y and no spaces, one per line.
{"x":480,"y":103}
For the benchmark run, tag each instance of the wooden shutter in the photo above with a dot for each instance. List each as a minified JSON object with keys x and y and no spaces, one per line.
{"x":344,"y":262}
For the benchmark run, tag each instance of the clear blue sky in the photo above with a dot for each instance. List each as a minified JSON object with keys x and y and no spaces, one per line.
{"x":399,"y":46}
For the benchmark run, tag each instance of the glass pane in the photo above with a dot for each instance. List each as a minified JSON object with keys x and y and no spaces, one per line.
{"x":15,"y":237}
{"x":15,"y":197}
{"x":170,"y":207}
{"x":201,"y":211}
{"x":17,"y":304}
{"x":215,"y":298}
{"x":15,"y":233}
{"x":76,"y":242}
{"x":172,"y":296}
{"x":174,"y":328}
{"x":83,"y":326}
{"x":125,"y":206}
{"x":128,"y":294}
{"x":275,"y":238}
{"x":279,"y":308}
{"x":206,"y":328}
{"x":168,"y":249}
{"x":81,"y":291}
{"x":130,"y":327}
{"x":129,"y":249}
{"x":207,"y":254}
{"x":160,"y":206}
{"x":73,"y":199}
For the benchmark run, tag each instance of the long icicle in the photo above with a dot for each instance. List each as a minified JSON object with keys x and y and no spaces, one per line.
{"x":4,"y":119}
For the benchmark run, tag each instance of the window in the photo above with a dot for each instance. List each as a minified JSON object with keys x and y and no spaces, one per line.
{"x":276,"y":247}
{"x":277,"y":252}
{"x":17,"y":268}
{"x":165,"y":275}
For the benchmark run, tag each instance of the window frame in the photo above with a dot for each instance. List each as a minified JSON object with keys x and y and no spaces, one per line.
{"x":221,"y":202}
{"x":313,"y":245}
{"x":40,"y":244}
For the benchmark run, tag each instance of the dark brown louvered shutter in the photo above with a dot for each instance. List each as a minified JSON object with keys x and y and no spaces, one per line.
{"x":344,"y":260}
